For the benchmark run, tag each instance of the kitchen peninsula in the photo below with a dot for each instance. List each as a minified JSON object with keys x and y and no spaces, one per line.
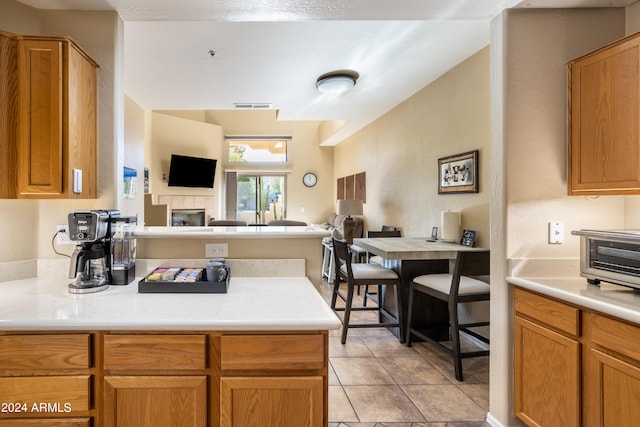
{"x":244,"y":242}
{"x":257,"y":354}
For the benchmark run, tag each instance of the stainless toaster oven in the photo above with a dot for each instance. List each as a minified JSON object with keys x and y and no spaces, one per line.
{"x":610,"y":256}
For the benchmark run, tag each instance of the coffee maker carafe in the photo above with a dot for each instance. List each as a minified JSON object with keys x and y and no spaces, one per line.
{"x":90,"y":260}
{"x":89,"y":269}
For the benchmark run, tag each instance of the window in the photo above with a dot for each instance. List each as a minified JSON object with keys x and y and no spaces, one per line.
{"x":269,"y":150}
{"x":260,"y":198}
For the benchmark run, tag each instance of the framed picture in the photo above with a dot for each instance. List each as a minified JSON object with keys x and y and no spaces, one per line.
{"x":468,"y":238}
{"x":458,"y":173}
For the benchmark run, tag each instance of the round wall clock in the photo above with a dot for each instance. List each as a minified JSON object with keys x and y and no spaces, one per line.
{"x":309,"y":179}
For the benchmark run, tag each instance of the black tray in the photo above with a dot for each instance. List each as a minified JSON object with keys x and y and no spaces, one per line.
{"x":200,"y":287}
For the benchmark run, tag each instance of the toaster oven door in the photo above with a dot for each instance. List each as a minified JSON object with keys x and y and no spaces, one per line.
{"x":611,"y":261}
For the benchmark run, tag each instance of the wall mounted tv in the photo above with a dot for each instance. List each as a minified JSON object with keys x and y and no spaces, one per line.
{"x":185,"y":171}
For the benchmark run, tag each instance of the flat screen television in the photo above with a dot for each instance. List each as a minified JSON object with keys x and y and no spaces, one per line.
{"x":185,"y":171}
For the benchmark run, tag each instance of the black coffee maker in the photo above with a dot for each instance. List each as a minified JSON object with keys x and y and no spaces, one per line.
{"x":105,"y":253}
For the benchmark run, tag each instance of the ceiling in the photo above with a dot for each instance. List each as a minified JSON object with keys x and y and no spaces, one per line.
{"x":272,"y":51}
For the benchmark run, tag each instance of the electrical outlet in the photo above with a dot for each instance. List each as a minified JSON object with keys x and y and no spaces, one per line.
{"x":62,"y":238}
{"x":556,"y":232}
{"x":217,"y":250}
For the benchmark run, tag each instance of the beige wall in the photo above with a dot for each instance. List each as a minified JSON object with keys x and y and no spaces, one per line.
{"x":312,"y":205}
{"x":135,"y":137}
{"x":175,"y":135}
{"x":399,"y":153}
{"x":530,"y":50}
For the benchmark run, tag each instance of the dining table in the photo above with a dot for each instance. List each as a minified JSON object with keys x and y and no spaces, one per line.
{"x":410,"y":257}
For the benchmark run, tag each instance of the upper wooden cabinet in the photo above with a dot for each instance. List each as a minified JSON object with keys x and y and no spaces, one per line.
{"x":48,"y":99}
{"x":604,"y":120}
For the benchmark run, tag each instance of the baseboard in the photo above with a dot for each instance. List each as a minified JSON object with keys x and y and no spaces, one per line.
{"x":492,"y":421}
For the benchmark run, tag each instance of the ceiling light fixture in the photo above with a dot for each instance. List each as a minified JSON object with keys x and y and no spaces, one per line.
{"x":337,"y":81}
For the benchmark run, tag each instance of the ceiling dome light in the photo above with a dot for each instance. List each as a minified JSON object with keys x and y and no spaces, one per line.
{"x":337,"y":81}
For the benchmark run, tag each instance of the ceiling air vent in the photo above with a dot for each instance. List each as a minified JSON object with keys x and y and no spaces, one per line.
{"x":252,"y":105}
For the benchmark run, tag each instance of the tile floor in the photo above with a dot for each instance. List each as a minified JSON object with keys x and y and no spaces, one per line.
{"x":374,"y":381}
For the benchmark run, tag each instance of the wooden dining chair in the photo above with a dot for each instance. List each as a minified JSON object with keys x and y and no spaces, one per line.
{"x":462,"y":286}
{"x":360,"y":254}
{"x":357,"y":274}
{"x":377,"y":259}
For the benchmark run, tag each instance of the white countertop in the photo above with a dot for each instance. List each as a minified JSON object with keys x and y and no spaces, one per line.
{"x":237,"y":232}
{"x":283,"y":303}
{"x":618,"y":301}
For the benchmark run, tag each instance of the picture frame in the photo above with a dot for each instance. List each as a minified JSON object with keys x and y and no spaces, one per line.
{"x":458,"y":173}
{"x":468,"y":238}
{"x":434,"y":234}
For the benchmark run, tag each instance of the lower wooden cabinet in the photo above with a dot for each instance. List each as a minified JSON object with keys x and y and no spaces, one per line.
{"x":612,"y":384}
{"x":274,"y":402}
{"x":573,"y":366}
{"x":158,"y":401}
{"x":163,"y":379}
{"x":50,"y":422}
{"x":547,"y":372}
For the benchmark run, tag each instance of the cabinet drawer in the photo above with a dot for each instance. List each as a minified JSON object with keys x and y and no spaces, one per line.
{"x":48,"y":422}
{"x":155,"y":351}
{"x":68,"y":351}
{"x":550,"y":312}
{"x":66,"y":394}
{"x":617,"y":336}
{"x":272,"y":352}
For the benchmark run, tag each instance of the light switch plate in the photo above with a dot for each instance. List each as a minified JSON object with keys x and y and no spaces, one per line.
{"x":556,"y":232}
{"x":77,"y":180}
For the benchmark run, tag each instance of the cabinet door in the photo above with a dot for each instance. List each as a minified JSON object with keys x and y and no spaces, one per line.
{"x":40,"y":150}
{"x":604,"y":116}
{"x":80,"y":103}
{"x":158,"y":401}
{"x":547,"y":376}
{"x":8,"y":115}
{"x":615,"y":391}
{"x":273,"y":401}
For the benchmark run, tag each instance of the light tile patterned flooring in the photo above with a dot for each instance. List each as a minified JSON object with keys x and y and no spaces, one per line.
{"x":374,"y":381}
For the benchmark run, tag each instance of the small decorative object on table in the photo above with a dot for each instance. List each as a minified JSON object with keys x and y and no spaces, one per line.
{"x":434,"y":234}
{"x":468,"y":238}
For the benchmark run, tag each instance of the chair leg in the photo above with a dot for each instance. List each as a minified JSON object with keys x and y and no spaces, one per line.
{"x":409,"y":316}
{"x":455,"y":340}
{"x":347,"y":313}
{"x":401,"y":328}
{"x":364,"y":299}
{"x":334,"y":296}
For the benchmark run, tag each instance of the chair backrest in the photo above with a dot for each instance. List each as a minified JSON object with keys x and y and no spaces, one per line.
{"x":286,"y":222}
{"x":341,"y":256}
{"x":223,"y":222}
{"x":470,"y":263}
{"x":389,"y":233}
